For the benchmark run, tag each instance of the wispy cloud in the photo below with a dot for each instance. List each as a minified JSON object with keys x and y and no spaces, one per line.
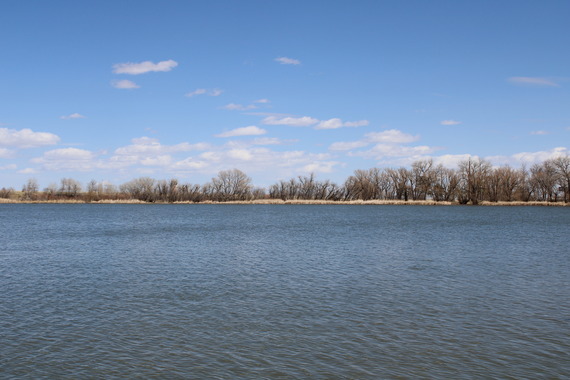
{"x":389,"y":147}
{"x":262,"y":101}
{"x":252,"y":130}
{"x":198,"y":91}
{"x":203,"y":91}
{"x":238,"y":107}
{"x":539,"y":133}
{"x":307,"y":121}
{"x":124,"y":84}
{"x":391,"y":136}
{"x":268,"y":141}
{"x":6,"y":153}
{"x":303,"y":121}
{"x":534,"y":81}
{"x":387,"y":137}
{"x":72,"y":116}
{"x":348,"y":145}
{"x":143,"y":67}
{"x":450,"y":122}
{"x":147,"y":145}
{"x":28,"y":171}
{"x":67,"y":159}
{"x":335,"y":123}
{"x":9,"y":166}
{"x":26,"y":138}
{"x":287,"y":61}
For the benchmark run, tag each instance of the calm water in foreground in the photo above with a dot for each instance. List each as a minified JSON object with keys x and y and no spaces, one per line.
{"x":284,"y":292}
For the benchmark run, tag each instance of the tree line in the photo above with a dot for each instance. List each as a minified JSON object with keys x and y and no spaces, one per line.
{"x":473,"y":181}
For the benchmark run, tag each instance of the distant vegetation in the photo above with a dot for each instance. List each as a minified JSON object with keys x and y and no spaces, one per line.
{"x":474,"y":181}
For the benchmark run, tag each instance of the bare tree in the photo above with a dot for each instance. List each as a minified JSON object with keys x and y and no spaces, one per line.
{"x":6,"y":192}
{"x":525,"y":189}
{"x":30,"y":190}
{"x":140,"y":188}
{"x":190,"y":193}
{"x":544,"y":181}
{"x":258,"y":193}
{"x":562,"y":167}
{"x":445,"y":183}
{"x":509,"y":182}
{"x":363,"y":184}
{"x":474,"y":175}
{"x":421,"y":179}
{"x":230,"y":185}
{"x":399,"y":183}
{"x":69,"y":187}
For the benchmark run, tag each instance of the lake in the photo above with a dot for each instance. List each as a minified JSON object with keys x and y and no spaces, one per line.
{"x":284,"y":291}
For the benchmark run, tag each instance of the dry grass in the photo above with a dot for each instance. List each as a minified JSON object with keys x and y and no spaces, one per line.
{"x":292,"y":202}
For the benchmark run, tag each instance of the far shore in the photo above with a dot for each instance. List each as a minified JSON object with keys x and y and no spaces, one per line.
{"x":289,"y":202}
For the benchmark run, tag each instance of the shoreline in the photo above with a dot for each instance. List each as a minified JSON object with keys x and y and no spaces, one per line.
{"x":291,"y":202}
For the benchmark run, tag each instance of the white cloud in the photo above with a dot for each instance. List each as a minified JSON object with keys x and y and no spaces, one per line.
{"x":67,"y":159}
{"x":262,"y":101}
{"x":72,"y":116}
{"x":320,"y":167}
{"x":451,"y":160}
{"x":28,"y":171}
{"x":539,"y":133}
{"x":198,"y":91}
{"x":267,"y":141}
{"x":304,"y":121}
{"x":359,"y":123}
{"x":189,"y":164}
{"x":143,"y":67}
{"x":541,"y":156}
{"x":335,"y":123}
{"x":9,"y":167}
{"x":69,"y":154}
{"x":238,"y":107}
{"x":389,"y":136}
{"x":6,"y":153}
{"x":348,"y":145}
{"x":211,"y":156}
{"x":329,"y":124}
{"x":380,"y":151}
{"x":450,"y":122}
{"x":203,"y":91}
{"x":392,"y":136}
{"x":148,"y":156}
{"x":534,"y":81}
{"x":255,"y":160}
{"x":287,"y":61}
{"x":387,"y":147}
{"x":252,"y":130}
{"x":163,"y":160}
{"x":145,"y":146}
{"x":240,"y":154}
{"x":26,"y":138}
{"x":124,"y":84}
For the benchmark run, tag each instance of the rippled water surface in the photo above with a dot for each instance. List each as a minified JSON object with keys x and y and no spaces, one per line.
{"x":284,"y":292}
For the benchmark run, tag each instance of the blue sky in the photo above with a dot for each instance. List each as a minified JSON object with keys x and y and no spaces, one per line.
{"x":114,"y":90}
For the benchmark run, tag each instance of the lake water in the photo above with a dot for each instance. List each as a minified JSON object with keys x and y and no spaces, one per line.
{"x":284,"y":292}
